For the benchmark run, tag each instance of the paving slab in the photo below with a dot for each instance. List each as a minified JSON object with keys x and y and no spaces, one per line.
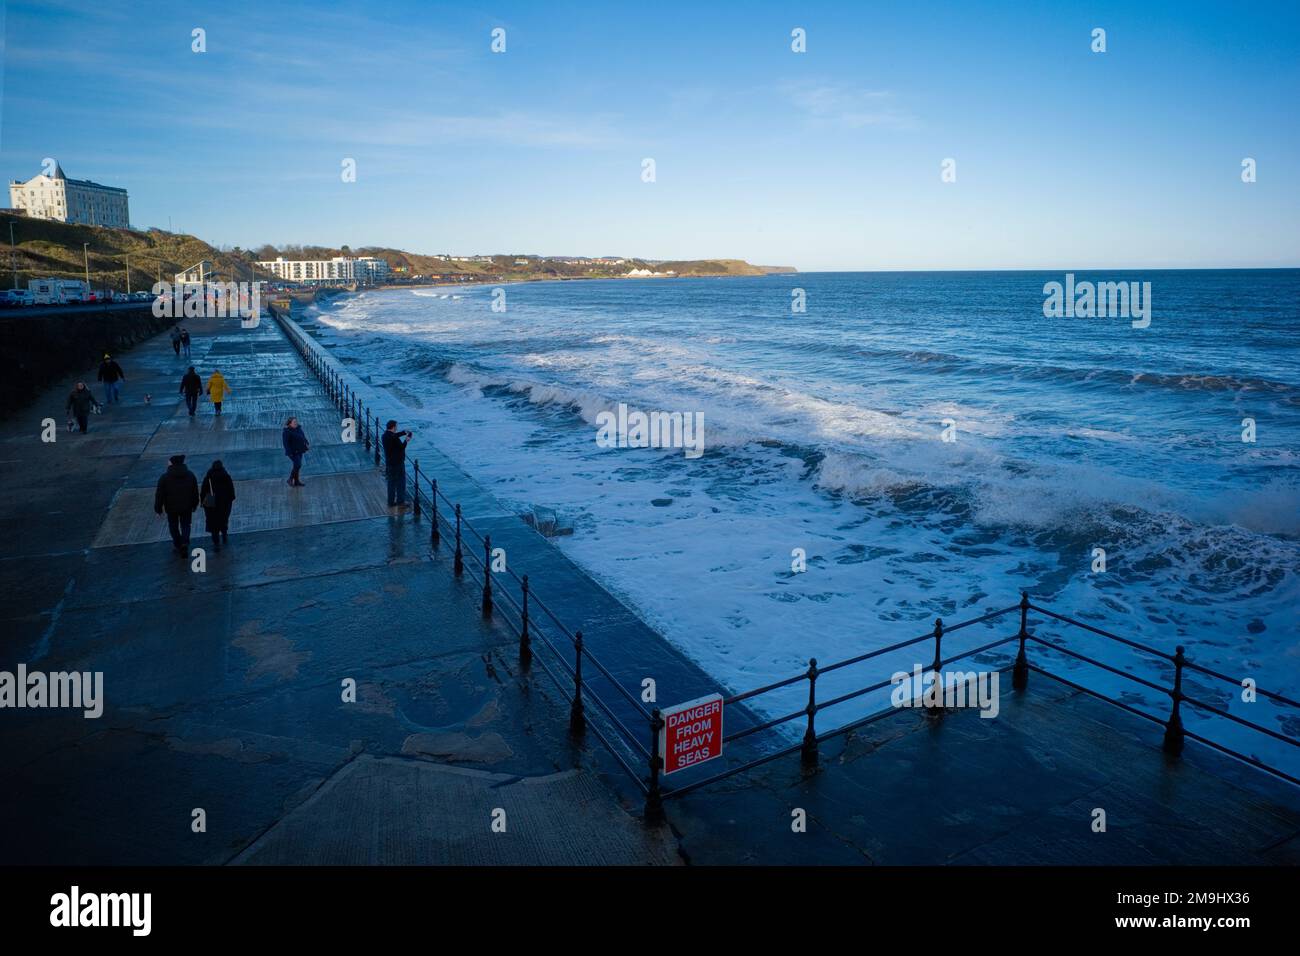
{"x":461,"y":816}
{"x":261,"y":504}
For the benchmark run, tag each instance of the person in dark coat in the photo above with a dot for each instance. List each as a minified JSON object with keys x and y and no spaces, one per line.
{"x":295,"y":446}
{"x":110,"y":373}
{"x":395,"y":464}
{"x":80,"y":402}
{"x":218,"y":496}
{"x":177,"y":494}
{"x":185,"y":341}
{"x":176,"y":340}
{"x":191,"y":388}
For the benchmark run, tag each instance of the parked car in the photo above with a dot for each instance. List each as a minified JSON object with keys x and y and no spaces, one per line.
{"x":17,"y":298}
{"x":141,"y":296}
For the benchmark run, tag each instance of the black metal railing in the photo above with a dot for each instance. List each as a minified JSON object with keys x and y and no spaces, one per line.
{"x":1175,"y":731}
{"x":563,"y":654}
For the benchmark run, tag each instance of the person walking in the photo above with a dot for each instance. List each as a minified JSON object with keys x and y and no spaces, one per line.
{"x":218,"y":389}
{"x":176,"y":341}
{"x":295,"y":446}
{"x":110,"y":373}
{"x":191,"y":388}
{"x":218,"y":497}
{"x":177,"y":494}
{"x":80,"y":402}
{"x":185,"y":342}
{"x":395,"y":443}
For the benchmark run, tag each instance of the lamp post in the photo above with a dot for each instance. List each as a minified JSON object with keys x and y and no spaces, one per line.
{"x":13,"y":253}
{"x":85,"y":251}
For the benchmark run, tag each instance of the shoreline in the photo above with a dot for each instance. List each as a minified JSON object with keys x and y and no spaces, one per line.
{"x":334,"y":291}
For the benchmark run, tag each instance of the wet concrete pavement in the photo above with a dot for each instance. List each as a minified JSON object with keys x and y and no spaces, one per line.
{"x":225,"y":688}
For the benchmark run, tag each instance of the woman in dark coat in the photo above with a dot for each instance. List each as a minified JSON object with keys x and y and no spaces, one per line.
{"x":295,"y":446}
{"x":218,"y":497}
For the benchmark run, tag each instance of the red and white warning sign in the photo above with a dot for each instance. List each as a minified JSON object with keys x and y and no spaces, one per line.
{"x":692,"y":733}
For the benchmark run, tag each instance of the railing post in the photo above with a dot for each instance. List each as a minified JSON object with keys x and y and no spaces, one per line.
{"x":808,"y":753}
{"x":654,"y":801}
{"x":487,"y":576}
{"x":1020,"y":670}
{"x":365,"y":431}
{"x":415,"y":498}
{"x":938,"y":659}
{"x":577,"y":719}
{"x":460,"y":558}
{"x":525,"y":639}
{"x":435,"y":536}
{"x":1174,"y":729}
{"x":378,"y":438}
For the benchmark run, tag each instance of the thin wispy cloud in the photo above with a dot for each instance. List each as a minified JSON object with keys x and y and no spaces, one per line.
{"x":511,"y":128}
{"x":837,"y":105}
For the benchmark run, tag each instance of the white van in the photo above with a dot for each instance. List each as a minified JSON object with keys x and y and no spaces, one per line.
{"x":58,"y":291}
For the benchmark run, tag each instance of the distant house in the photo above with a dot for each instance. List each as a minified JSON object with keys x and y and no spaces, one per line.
{"x":196,"y":273}
{"x":78,"y":201}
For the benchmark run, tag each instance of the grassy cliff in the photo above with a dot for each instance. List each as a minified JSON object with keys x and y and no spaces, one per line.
{"x":46,"y":248}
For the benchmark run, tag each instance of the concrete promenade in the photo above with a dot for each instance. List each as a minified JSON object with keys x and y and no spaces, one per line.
{"x":224,"y":687}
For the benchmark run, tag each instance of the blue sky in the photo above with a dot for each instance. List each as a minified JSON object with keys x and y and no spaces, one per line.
{"x":828,"y":159}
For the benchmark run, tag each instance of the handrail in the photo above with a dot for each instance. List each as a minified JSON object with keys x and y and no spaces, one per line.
{"x":1151,"y":650}
{"x":1096,"y":630}
{"x":1174,"y":732}
{"x":577,"y":689}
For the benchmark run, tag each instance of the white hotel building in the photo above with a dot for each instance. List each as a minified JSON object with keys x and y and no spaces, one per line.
{"x":70,"y":200}
{"x":364,"y":270}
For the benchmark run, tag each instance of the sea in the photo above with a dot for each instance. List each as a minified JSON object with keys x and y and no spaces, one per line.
{"x":884,"y":449}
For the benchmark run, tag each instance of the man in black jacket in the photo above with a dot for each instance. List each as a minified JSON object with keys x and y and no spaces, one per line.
{"x":177,"y":494}
{"x":191,"y":388}
{"x":110,"y":373}
{"x":80,"y":402}
{"x":395,"y":462}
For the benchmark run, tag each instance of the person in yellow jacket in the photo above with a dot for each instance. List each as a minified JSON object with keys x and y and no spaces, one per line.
{"x":218,"y":390}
